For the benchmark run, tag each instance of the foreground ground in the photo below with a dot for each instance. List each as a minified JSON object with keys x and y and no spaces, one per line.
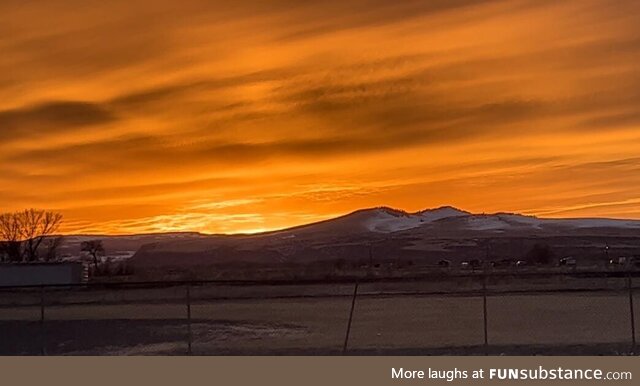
{"x":306,"y":321}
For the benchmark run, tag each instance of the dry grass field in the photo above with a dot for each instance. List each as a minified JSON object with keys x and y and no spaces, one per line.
{"x":389,"y":318}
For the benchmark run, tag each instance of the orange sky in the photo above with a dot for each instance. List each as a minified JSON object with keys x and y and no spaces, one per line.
{"x":239,"y":116}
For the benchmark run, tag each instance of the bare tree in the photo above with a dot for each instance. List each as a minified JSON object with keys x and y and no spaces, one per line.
{"x":540,"y":254}
{"x":95,"y":249}
{"x":11,"y":236}
{"x":53,"y":245}
{"x":5,"y":254}
{"x":23,"y":232}
{"x":36,"y":226}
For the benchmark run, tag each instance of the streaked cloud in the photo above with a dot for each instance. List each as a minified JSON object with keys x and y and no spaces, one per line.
{"x":238,"y":116}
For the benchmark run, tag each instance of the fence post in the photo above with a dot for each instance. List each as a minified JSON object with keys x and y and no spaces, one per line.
{"x":43,"y":335}
{"x":631,"y":314}
{"x":353,"y":305}
{"x":189,"y":334}
{"x":484,"y":314}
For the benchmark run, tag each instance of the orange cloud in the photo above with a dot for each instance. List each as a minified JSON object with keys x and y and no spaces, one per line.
{"x":137,"y":116}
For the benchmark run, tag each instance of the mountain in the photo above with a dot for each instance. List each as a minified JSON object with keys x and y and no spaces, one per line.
{"x":381,"y":219}
{"x":389,"y":220}
{"x":394,"y":235}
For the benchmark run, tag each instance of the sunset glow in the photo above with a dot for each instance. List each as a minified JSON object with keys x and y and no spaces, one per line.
{"x":244,"y":116}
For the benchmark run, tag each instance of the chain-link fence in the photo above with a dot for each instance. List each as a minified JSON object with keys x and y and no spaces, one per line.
{"x":513,"y":313}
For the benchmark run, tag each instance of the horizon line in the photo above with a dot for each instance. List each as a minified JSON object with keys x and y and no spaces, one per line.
{"x":334,"y":217}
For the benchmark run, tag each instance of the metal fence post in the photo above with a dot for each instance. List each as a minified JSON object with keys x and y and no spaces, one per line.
{"x":353,"y":306}
{"x":43,"y":335}
{"x":484,"y":313}
{"x":189,"y":334}
{"x":631,"y":314}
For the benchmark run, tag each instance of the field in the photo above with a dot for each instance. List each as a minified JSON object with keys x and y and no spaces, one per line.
{"x":590,"y":316}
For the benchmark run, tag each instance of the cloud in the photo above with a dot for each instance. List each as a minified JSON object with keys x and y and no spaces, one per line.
{"x":171,"y":91}
{"x":52,"y":117}
{"x":411,"y":104}
{"x":367,"y":13}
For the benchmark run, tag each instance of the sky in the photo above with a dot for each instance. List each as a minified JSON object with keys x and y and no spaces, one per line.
{"x":244,"y":116}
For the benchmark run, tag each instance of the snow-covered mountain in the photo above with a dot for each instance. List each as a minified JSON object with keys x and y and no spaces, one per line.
{"x":392,"y":220}
{"x":389,"y":220}
{"x":424,"y":236}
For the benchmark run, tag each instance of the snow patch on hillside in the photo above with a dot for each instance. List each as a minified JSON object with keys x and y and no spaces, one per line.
{"x":504,"y":222}
{"x":486,"y":223}
{"x":431,"y":215}
{"x":595,"y":223}
{"x":385,"y":220}
{"x":382,"y":220}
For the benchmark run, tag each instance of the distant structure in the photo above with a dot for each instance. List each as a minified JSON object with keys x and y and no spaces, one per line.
{"x":36,"y":274}
{"x":568,"y":261}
